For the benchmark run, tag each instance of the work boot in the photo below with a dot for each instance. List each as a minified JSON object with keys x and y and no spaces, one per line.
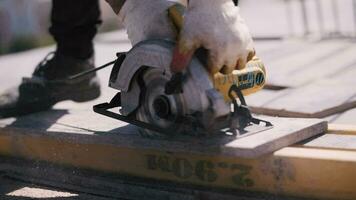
{"x":49,"y":85}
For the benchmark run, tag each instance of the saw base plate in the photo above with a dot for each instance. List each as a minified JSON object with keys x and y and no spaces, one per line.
{"x":249,"y":130}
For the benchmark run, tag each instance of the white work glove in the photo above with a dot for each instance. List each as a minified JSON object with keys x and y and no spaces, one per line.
{"x":213,"y":24}
{"x":147,"y":19}
{"x":217,"y":26}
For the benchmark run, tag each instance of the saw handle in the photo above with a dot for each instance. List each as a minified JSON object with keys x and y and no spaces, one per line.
{"x":251,"y":79}
{"x":181,"y":57}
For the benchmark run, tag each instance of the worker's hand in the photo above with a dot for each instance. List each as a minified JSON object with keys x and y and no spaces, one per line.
{"x":217,"y":26}
{"x":147,"y":20}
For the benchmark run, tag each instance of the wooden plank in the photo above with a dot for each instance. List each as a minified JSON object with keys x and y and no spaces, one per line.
{"x":320,"y":99}
{"x":348,"y":129}
{"x":118,"y":187}
{"x":98,"y":145}
{"x":320,"y":169}
{"x":292,"y":171}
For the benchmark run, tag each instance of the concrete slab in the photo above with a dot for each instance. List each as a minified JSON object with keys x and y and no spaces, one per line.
{"x":89,"y":127}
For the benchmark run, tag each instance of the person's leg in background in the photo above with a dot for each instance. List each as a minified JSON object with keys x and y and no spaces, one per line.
{"x":74,"y":25}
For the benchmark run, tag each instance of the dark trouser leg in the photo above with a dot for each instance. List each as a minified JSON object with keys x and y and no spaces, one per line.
{"x":74,"y":25}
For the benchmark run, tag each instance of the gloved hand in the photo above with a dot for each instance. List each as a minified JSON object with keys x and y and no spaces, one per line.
{"x":217,"y":26}
{"x":147,"y":19}
{"x":213,"y":24}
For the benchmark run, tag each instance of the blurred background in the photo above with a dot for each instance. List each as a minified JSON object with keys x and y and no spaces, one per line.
{"x":24,"y":23}
{"x":307,"y":46}
{"x":301,"y":18}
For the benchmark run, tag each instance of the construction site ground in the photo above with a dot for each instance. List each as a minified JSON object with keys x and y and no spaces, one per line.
{"x":306,"y":78}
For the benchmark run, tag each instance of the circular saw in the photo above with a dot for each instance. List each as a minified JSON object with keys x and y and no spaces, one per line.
{"x":163,"y":101}
{"x":204,"y":104}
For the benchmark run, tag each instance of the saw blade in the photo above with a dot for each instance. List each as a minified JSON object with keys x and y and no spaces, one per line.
{"x":156,"y":107}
